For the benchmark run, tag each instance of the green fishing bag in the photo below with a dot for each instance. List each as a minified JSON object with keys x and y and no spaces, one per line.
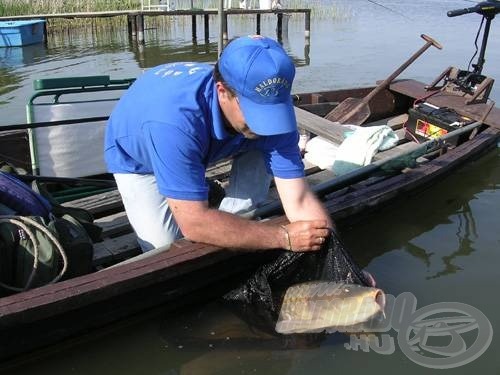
{"x":35,"y":251}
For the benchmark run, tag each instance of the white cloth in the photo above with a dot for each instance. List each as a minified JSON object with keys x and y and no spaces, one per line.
{"x":321,"y":152}
{"x":357,"y":149}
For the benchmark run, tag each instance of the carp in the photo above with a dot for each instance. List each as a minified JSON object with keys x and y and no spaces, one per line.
{"x":320,"y":305}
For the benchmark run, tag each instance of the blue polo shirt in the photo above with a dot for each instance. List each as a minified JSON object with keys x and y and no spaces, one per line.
{"x":169,"y":123}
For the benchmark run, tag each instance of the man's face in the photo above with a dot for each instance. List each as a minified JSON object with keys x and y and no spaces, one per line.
{"x":230,"y":107}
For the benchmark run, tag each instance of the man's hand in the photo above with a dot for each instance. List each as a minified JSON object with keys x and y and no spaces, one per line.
{"x":305,"y":235}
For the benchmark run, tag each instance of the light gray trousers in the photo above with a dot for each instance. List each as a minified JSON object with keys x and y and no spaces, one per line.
{"x":152,"y":219}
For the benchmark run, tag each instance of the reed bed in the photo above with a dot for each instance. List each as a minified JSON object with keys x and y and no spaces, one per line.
{"x":22,"y":7}
{"x":319,"y":9}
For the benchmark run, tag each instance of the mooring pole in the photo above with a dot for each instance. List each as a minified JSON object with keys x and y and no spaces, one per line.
{"x":220,"y":45}
{"x":279,"y":26}
{"x":140,"y":28}
{"x":133,"y":27}
{"x":193,"y":26}
{"x":129,"y":26}
{"x":258,"y":24}
{"x":206,"y":26}
{"x":307,"y":16}
{"x":225,"y":33}
{"x":45,"y":33}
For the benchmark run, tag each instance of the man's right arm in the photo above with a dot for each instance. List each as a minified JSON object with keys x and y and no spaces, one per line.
{"x":199,"y":223}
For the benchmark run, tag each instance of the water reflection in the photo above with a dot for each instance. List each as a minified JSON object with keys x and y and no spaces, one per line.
{"x":9,"y":81}
{"x":439,"y":227}
{"x":97,"y":50}
{"x":12,"y":59}
{"x":466,"y":234}
{"x":211,"y":338}
{"x":155,"y":54}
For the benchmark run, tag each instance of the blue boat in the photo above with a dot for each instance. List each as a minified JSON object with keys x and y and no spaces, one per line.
{"x":21,"y":33}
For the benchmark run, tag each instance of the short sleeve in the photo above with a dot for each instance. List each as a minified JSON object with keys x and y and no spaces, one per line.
{"x":282,"y":155}
{"x":176,"y":156}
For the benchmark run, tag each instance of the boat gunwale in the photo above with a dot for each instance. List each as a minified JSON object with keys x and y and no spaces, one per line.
{"x":184,"y":252}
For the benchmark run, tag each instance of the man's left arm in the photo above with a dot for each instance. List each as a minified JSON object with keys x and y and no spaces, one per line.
{"x":299,"y":201}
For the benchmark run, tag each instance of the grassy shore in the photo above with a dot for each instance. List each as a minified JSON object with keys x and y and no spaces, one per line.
{"x":33,"y":7}
{"x":28,"y":7}
{"x":23,"y":7}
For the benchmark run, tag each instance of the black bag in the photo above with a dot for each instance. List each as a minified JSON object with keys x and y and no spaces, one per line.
{"x":258,"y":300}
{"x":38,"y":247}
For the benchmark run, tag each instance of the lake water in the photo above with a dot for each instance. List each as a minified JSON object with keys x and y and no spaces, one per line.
{"x":441,"y":245}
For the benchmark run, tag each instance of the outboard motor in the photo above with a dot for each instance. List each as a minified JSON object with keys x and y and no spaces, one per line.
{"x":471,"y":81}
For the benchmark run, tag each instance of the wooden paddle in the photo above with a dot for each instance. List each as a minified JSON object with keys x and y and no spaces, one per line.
{"x":355,"y":111}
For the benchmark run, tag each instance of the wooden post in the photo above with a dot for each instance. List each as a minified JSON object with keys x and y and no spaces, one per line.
{"x":225,"y":33}
{"x":45,"y":33}
{"x":279,"y":26}
{"x":220,"y":44}
{"x":258,"y":24}
{"x":133,"y":27}
{"x":307,"y":30}
{"x":193,"y":26}
{"x":307,"y":49}
{"x":207,"y":31}
{"x":139,"y":20}
{"x":129,"y":26}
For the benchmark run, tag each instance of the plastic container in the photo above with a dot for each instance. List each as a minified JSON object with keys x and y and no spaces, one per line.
{"x":21,"y":33}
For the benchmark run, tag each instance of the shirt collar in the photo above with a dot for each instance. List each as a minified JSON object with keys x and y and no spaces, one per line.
{"x":218,"y":127}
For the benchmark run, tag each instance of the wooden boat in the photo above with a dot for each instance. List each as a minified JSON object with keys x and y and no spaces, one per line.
{"x":126,"y":282}
{"x":189,"y":271}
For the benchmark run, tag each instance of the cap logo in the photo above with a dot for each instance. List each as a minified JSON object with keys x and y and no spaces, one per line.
{"x":272,"y":86}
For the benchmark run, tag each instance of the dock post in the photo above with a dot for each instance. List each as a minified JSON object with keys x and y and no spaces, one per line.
{"x":307,"y":27}
{"x":206,"y":27}
{"x":225,"y":33}
{"x":129,"y":26}
{"x":45,"y":33}
{"x":279,"y":26}
{"x":133,"y":27}
{"x":220,"y":12}
{"x":140,"y":28}
{"x":258,"y":24}
{"x":193,"y":26}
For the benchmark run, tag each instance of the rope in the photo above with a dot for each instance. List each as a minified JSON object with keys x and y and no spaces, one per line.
{"x":21,"y":222}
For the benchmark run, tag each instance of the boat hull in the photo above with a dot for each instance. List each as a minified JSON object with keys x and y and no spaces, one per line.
{"x":190,"y":272}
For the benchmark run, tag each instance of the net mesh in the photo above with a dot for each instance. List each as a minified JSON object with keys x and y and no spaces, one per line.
{"x":258,"y":300}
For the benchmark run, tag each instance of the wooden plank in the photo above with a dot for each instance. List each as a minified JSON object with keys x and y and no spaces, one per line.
{"x":394,"y":122}
{"x":319,"y":109}
{"x":114,"y":224}
{"x":101,"y":255}
{"x":116,"y":249}
{"x":329,"y":130}
{"x":179,"y":12}
{"x":98,"y":204}
{"x":397,"y":122}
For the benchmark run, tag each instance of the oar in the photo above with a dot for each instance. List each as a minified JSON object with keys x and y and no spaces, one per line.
{"x":355,"y":111}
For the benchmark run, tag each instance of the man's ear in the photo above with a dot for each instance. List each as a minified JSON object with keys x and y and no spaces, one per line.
{"x":222,"y":92}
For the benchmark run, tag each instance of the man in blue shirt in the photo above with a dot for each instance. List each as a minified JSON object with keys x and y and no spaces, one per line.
{"x":179,"y":118}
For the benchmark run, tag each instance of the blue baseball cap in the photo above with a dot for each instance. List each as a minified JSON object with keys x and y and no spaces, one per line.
{"x":261,"y":73}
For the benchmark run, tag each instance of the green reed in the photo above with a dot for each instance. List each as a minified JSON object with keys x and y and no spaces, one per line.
{"x":34,"y":7}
